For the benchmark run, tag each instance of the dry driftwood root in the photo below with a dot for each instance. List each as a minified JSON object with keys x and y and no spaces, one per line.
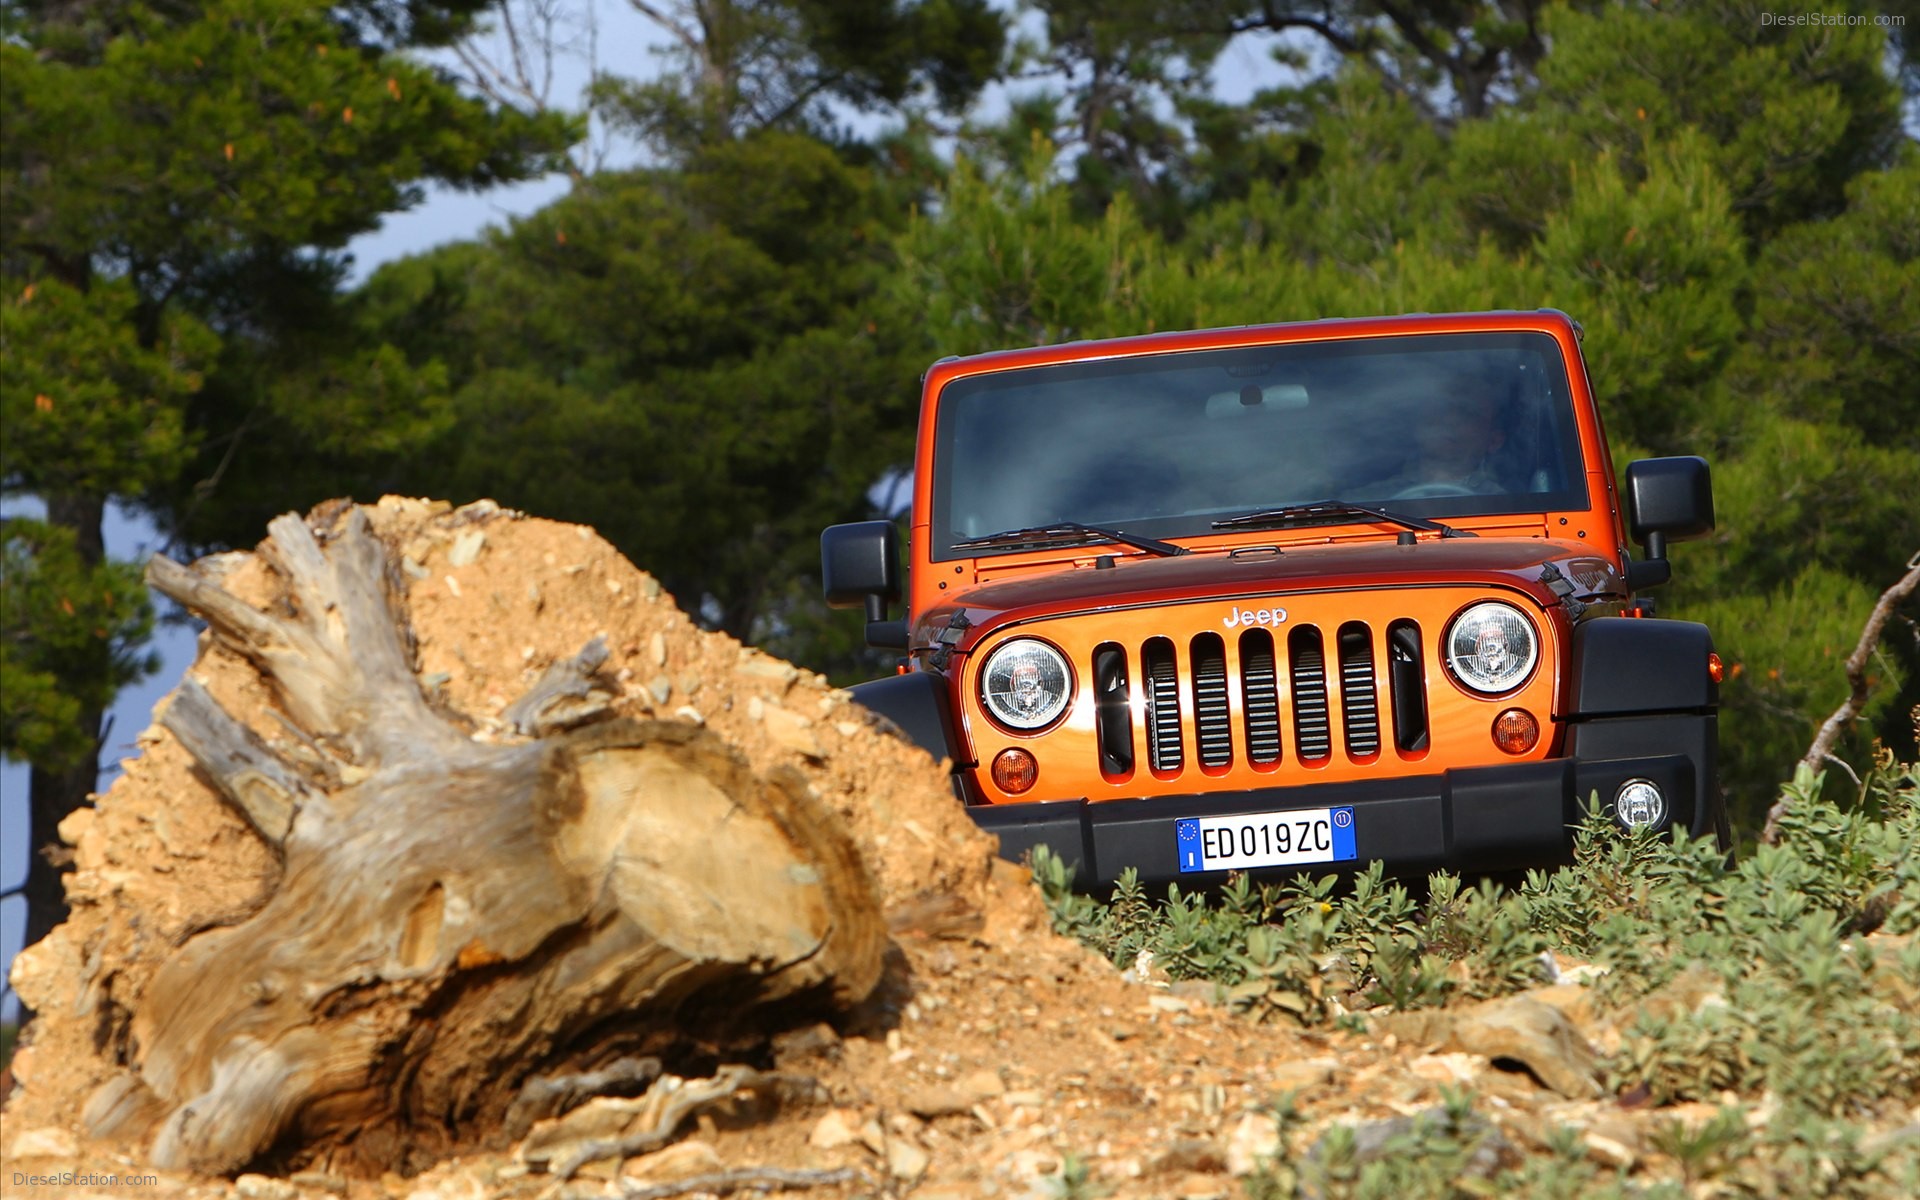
{"x":616,"y":1129}
{"x":549,"y":1096}
{"x":742,"y":1179}
{"x":455,"y":918}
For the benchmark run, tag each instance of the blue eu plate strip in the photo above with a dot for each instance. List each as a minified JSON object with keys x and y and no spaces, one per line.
{"x":1343,"y":847}
{"x":1187,"y":837}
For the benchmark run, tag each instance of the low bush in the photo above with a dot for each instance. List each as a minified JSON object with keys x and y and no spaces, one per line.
{"x":1728,"y":982}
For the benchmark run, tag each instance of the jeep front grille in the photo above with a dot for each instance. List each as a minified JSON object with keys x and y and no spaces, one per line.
{"x":1163,"y":706}
{"x":1312,"y":731}
{"x":1110,"y":706}
{"x":1249,"y":671}
{"x":1359,"y":701}
{"x":1405,"y":681}
{"x":1260,"y":686}
{"x":1212,"y":719}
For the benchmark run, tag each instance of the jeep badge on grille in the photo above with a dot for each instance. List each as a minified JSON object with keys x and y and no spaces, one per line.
{"x":1253,"y":616}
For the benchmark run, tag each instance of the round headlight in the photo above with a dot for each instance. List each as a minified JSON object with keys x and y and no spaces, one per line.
{"x":1025,"y":684}
{"x":1491,"y":647}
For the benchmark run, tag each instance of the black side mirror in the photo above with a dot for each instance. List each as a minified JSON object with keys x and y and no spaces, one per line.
{"x":859,"y":566}
{"x":1668,"y":499}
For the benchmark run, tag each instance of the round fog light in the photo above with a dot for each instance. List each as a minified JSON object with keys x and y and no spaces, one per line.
{"x":1515,"y":731}
{"x":1640,"y":804}
{"x":1015,"y":771}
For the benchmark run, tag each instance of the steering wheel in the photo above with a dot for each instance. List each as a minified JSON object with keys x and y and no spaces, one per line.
{"x":1432,"y":491}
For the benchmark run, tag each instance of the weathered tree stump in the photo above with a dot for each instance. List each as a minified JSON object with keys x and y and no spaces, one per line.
{"x":455,"y":917}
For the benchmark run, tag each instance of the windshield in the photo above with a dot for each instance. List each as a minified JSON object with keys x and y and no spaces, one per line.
{"x":1163,"y":445}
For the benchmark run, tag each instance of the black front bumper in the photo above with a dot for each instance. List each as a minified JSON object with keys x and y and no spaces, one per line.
{"x":1472,"y":820}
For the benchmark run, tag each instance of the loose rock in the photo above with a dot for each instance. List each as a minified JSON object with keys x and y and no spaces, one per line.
{"x":1255,"y":1139}
{"x":466,"y":547}
{"x":931,"y":1102}
{"x":47,"y":1142}
{"x":677,"y":1161}
{"x":793,"y":731}
{"x":906,"y":1161}
{"x":262,"y":1187}
{"x":834,"y":1130}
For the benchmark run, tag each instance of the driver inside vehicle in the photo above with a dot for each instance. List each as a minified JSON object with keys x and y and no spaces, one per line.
{"x":1455,"y":439}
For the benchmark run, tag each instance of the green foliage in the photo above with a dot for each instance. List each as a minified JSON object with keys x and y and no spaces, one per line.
{"x":177,"y":181}
{"x":70,"y":633}
{"x":1653,"y":265}
{"x":1428,"y":1155}
{"x":1452,"y":1151}
{"x":690,"y":360}
{"x":1747,"y":978}
{"x":1789,"y":113}
{"x":1074,"y":1181}
{"x":742,"y":67}
{"x":1726,"y":206}
{"x":89,"y":408}
{"x":189,"y":135}
{"x":1837,"y":320}
{"x":1748,"y":985}
{"x":194,"y":168}
{"x":1007,"y":263}
{"x":1291,"y":950}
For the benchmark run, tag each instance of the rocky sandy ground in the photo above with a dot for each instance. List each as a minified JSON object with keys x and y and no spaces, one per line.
{"x":996,"y":1057}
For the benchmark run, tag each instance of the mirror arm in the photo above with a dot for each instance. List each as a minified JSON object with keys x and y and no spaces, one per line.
{"x":1654,"y":569}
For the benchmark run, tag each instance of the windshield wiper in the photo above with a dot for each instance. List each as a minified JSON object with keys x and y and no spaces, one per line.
{"x":1061,"y":531}
{"x":1306,"y":513}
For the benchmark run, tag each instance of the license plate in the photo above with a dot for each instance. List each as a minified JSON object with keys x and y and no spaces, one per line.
{"x":1275,"y":839}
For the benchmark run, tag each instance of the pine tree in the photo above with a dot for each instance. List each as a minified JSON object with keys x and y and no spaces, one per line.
{"x":178,"y":180}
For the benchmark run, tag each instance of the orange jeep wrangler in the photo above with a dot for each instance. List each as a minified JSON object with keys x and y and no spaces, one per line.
{"x":1291,"y":596}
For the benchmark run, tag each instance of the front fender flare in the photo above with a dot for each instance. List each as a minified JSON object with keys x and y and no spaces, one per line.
{"x":920,"y":706}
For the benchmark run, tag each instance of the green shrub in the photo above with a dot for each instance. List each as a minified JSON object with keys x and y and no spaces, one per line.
{"x":1751,"y":981}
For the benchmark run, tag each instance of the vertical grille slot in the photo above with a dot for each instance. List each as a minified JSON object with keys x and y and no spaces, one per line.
{"x":1112,"y":715}
{"x":1307,"y":666}
{"x":1212,"y":721}
{"x":1359,"y":700}
{"x":1164,"y":749}
{"x":1406,"y":680}
{"x":1260,"y":693}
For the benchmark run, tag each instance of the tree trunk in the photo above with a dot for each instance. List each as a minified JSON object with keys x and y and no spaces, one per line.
{"x":52,"y":794}
{"x":457,"y":920}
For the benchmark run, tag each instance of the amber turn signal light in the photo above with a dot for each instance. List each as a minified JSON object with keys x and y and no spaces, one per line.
{"x":1515,"y":731}
{"x":1716,"y":670}
{"x":1015,"y":771}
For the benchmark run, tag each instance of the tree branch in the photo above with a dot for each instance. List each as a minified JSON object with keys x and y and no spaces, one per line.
{"x":248,"y":774}
{"x":565,"y":696}
{"x":690,"y":42}
{"x":1822,"y":749}
{"x":1272,"y":22}
{"x":673,"y":1100}
{"x":743,"y":1179}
